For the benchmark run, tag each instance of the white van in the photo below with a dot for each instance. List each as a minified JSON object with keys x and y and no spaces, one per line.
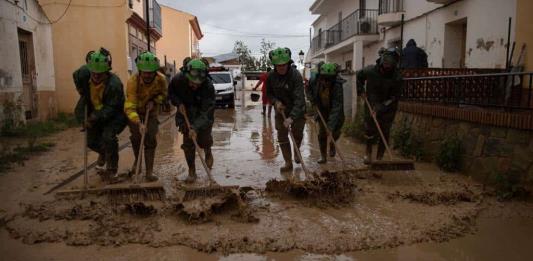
{"x":224,"y":88}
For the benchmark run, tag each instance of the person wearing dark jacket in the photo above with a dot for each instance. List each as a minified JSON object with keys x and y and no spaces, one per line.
{"x":286,"y":92}
{"x":102,"y":95}
{"x":194,"y":94}
{"x":326,"y":94}
{"x":413,"y":56}
{"x":381,"y":85}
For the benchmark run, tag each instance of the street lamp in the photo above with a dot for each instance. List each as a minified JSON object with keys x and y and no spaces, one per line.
{"x":302,"y":56}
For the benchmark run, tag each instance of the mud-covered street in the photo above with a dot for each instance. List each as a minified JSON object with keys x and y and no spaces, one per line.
{"x":422,"y":214}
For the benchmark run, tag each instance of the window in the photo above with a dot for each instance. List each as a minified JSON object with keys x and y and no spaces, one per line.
{"x":132,"y":30}
{"x":221,"y":77}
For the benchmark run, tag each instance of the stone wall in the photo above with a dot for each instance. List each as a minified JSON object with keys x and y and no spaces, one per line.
{"x":488,"y":150}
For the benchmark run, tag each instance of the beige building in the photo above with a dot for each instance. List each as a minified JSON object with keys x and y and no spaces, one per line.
{"x":86,"y":25}
{"x":27,"y":84}
{"x":524,"y":30}
{"x":181,"y":36}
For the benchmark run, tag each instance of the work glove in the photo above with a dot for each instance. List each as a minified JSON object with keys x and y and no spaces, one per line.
{"x":279,"y":106}
{"x":91,"y":121}
{"x":192,"y":134}
{"x":142,"y":128}
{"x":149,"y":105}
{"x":288,"y":122}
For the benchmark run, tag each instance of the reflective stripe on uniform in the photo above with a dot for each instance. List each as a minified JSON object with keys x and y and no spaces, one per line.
{"x":133,"y":116}
{"x":130,"y":105}
{"x":159,"y":99}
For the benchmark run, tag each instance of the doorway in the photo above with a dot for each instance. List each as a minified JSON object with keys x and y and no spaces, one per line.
{"x":455,"y":44}
{"x":27,"y":64}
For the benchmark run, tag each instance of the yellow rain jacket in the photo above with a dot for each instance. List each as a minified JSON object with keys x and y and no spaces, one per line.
{"x":138,"y":94}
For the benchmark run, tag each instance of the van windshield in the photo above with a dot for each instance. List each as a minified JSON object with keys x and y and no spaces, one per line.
{"x":221,"y":78}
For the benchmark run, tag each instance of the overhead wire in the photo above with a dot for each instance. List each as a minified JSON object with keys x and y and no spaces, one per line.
{"x":39,"y":21}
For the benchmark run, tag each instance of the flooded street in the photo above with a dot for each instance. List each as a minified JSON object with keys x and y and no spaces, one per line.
{"x":418,"y":215}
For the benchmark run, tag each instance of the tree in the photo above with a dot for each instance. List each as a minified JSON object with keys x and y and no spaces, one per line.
{"x":246,"y":59}
{"x":264,"y":60}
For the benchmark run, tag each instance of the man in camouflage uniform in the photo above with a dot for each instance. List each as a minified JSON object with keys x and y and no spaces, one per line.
{"x":102,"y":95}
{"x":381,"y":84}
{"x":326,"y":94}
{"x":285,"y":90}
{"x":194,"y":94}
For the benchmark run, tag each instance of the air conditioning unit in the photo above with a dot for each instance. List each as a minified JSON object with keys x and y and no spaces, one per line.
{"x":365,"y":25}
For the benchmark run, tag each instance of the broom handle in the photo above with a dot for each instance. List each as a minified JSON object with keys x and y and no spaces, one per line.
{"x":85,"y":172}
{"x":329,"y":135}
{"x":141,"y":148}
{"x":298,"y":153}
{"x":378,"y":127}
{"x":197,"y":148}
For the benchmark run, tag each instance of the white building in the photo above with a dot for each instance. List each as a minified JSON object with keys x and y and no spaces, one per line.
{"x":454,"y":33}
{"x":27,"y":84}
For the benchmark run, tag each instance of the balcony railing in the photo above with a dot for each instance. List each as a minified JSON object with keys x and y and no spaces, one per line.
{"x":390,"y":6}
{"x":360,"y":22}
{"x":509,"y":91}
{"x":155,"y":16}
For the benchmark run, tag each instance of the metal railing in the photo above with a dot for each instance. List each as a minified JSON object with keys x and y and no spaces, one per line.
{"x":360,"y":22}
{"x":498,"y":90}
{"x":390,"y":6}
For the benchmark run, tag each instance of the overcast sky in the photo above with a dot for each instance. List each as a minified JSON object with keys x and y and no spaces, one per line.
{"x":269,"y":19}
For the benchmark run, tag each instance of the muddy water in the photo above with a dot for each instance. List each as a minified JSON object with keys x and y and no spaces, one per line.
{"x":423,"y":214}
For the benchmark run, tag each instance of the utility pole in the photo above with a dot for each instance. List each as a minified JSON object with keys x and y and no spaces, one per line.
{"x":147,"y":17}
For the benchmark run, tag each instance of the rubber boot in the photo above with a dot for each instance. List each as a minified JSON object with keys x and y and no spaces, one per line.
{"x":264,"y":110}
{"x":191,"y":178}
{"x":269,"y":110}
{"x":189,"y":156}
{"x":100,"y":163}
{"x":381,"y":151}
{"x":368,"y":157}
{"x":296,"y":158}
{"x":209,"y":158}
{"x":332,"y":150}
{"x":149,"y":156}
{"x":323,"y":152}
{"x":111,"y":158}
{"x":287,"y":156}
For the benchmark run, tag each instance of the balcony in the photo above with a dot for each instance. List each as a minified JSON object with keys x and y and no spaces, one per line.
{"x":155,"y":17}
{"x":360,"y":22}
{"x":390,"y":12}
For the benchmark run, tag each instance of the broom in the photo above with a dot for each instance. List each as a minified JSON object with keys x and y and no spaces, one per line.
{"x":137,"y":191}
{"x":206,"y":191}
{"x":391,"y":164}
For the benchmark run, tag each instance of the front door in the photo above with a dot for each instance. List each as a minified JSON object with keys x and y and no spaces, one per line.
{"x":27,"y":64}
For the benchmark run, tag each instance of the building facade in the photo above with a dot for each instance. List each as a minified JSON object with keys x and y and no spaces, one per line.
{"x":27,"y":84}
{"x":87,"y":25}
{"x":454,"y":33}
{"x":181,"y":36}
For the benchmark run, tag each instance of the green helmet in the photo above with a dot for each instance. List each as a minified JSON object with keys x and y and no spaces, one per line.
{"x":147,"y":62}
{"x":328,"y":69}
{"x":280,"y":56}
{"x":98,"y":62}
{"x":196,"y":71}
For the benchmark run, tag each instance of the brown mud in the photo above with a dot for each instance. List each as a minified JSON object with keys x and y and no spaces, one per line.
{"x":362,"y":211}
